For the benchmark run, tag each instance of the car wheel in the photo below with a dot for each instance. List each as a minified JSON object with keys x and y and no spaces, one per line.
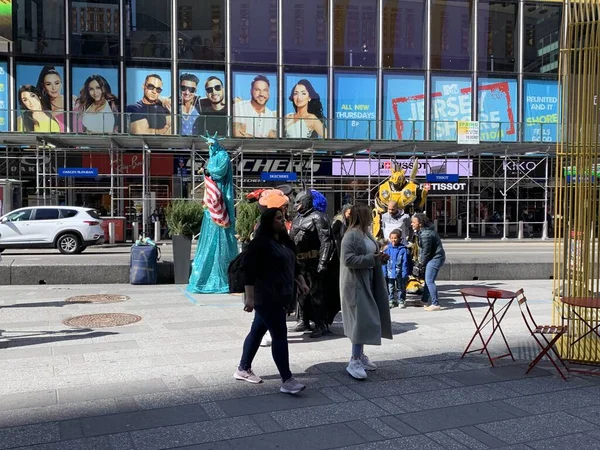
{"x":69,"y":244}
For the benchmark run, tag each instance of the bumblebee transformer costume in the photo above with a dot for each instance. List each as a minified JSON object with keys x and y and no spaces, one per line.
{"x":316,"y":254}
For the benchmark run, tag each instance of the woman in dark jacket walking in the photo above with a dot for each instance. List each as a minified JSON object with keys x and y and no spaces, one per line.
{"x":431,"y":258}
{"x":271,"y":275}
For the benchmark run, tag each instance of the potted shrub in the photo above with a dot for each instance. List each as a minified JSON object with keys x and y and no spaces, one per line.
{"x":246,"y":217}
{"x":184,"y":219}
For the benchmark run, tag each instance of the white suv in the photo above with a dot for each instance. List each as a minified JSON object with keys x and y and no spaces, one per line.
{"x":67,"y":228}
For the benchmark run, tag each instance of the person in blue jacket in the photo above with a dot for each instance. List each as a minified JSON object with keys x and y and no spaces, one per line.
{"x":397,"y":269}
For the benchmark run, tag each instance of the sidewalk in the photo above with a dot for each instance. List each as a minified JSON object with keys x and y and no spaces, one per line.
{"x":166,"y":381}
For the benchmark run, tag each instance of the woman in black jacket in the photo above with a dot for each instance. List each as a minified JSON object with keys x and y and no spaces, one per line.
{"x":270,"y":276}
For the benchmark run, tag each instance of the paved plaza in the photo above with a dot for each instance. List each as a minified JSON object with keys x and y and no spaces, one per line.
{"x":166,"y":380}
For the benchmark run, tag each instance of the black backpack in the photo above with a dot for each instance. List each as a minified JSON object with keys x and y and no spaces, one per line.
{"x":235,"y":274}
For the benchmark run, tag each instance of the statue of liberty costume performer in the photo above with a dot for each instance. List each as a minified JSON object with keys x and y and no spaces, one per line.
{"x":217,"y":245}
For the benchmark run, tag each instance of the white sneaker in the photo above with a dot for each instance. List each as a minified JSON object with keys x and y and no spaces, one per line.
{"x":367,"y":364}
{"x":266,"y":340}
{"x":356,"y":369}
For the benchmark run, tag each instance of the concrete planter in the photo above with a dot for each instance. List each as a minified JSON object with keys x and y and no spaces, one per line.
{"x":182,"y":250}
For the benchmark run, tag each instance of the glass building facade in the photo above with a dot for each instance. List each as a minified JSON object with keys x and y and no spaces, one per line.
{"x":370,"y":69}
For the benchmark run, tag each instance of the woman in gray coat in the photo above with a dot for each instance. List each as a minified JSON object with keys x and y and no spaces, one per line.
{"x":365,"y":308}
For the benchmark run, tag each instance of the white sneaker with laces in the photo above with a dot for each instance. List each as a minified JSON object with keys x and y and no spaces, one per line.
{"x":367,"y":364}
{"x":356,"y":369}
{"x":266,"y":340}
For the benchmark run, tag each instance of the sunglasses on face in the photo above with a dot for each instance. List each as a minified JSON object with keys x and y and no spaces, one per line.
{"x":151,"y":87}
{"x":191,"y":90}
{"x":218,"y":87}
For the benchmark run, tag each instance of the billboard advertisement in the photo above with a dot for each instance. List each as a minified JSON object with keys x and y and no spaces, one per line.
{"x":3,"y":97}
{"x":355,"y":105}
{"x":404,"y":107}
{"x":202,"y":106}
{"x":305,"y":107}
{"x":148,"y":101}
{"x":96,"y":92}
{"x":541,"y":110}
{"x":497,"y":104}
{"x":450,"y":102}
{"x":40,"y":99}
{"x":6,"y":19}
{"x":383,"y":167}
{"x":255,"y":105}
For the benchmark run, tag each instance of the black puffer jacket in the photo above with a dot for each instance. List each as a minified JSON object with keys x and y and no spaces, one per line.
{"x":430,"y":245}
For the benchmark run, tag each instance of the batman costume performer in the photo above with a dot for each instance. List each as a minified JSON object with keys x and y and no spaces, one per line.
{"x":319,"y":265}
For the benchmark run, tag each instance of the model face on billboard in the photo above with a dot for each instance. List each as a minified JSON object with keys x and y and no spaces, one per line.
{"x":53,"y":85}
{"x":260,"y":92}
{"x":188,"y":90}
{"x":95,"y":91}
{"x":214,"y":91}
{"x":300,"y":96}
{"x":152,"y":89}
{"x":31,"y":101}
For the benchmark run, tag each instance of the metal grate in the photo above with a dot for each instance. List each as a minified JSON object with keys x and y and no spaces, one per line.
{"x":97,"y":298}
{"x":102,"y":320}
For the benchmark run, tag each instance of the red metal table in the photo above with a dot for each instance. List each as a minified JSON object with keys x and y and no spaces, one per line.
{"x":584,"y":315}
{"x":491,"y":295}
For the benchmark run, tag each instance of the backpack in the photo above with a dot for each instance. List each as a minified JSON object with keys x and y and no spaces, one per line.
{"x":235,"y":274}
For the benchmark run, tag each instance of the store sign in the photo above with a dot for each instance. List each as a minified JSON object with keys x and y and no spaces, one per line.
{"x":532,"y":168}
{"x":257,"y":166}
{"x":77,"y":172}
{"x":449,"y":188}
{"x":442,"y":178}
{"x":278,"y":176}
{"x":383,"y":167}
{"x":468,"y":132}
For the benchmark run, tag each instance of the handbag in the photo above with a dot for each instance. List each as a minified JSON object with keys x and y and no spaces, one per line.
{"x":418,"y":271}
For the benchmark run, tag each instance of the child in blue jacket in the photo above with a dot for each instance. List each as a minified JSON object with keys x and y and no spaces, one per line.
{"x":397,"y":269}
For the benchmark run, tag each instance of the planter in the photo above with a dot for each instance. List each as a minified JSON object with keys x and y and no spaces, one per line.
{"x":182,"y":251}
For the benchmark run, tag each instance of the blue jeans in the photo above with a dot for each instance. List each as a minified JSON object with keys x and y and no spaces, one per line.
{"x":396,"y":288}
{"x":272,"y":319}
{"x":431,"y":272}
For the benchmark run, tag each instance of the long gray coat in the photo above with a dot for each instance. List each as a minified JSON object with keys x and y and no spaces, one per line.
{"x":365,"y":307}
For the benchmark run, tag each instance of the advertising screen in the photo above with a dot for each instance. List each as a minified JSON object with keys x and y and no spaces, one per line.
{"x":255,"y":105}
{"x":450,"y":102}
{"x":96,"y":92}
{"x":202,"y":106}
{"x":3,"y":97}
{"x":497,"y":103}
{"x":355,"y":105}
{"x":541,"y":110}
{"x":305,"y":106}
{"x":383,"y":167}
{"x":6,"y":17}
{"x":404,"y":107}
{"x":40,"y":99}
{"x":148,"y":101}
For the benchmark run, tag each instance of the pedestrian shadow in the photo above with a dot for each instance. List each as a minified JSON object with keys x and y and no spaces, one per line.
{"x":59,"y":304}
{"x":27,"y":338}
{"x":337,"y":332}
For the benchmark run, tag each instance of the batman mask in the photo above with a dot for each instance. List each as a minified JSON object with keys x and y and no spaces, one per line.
{"x":304,"y":201}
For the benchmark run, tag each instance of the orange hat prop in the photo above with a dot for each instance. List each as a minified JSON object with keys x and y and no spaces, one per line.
{"x":273,"y":198}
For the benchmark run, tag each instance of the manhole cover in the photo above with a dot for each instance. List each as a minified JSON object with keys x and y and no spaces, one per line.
{"x":97,"y":298}
{"x":102,"y":320}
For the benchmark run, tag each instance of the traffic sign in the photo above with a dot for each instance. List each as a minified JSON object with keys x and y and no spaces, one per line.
{"x":78,"y":172}
{"x":278,"y":176}
{"x":442,"y":178}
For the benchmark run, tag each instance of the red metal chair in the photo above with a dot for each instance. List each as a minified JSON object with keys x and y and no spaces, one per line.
{"x":542,"y":331}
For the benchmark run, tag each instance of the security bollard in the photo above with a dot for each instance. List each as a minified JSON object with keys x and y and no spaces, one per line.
{"x":135,"y":232}
{"x":156,"y":231}
{"x":459,"y":228}
{"x":483,"y":228}
{"x":111,"y":233}
{"x":435,"y":225}
{"x":520,"y":236}
{"x":545,"y":231}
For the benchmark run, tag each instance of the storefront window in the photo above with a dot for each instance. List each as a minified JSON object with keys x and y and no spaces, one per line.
{"x":451,"y":34}
{"x":95,"y":28}
{"x":498,"y":43}
{"x":403,"y":33}
{"x":355,"y":33}
{"x":148,"y":28}
{"x":541,"y":34}
{"x":305,"y":32}
{"x":40,"y":27}
{"x":254,"y":31}
{"x":201,"y":30}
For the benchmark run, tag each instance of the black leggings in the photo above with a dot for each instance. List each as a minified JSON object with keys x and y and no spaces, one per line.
{"x":272,"y":319}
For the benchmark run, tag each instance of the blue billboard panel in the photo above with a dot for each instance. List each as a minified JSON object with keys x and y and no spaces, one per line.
{"x":404,"y":107}
{"x":202,"y":102}
{"x":497,"y":108}
{"x":541,"y":111}
{"x":3,"y":97}
{"x":96,"y":105}
{"x":148,"y":101}
{"x":450,"y":102}
{"x":255,"y":105}
{"x":355,"y":105}
{"x":305,"y":106}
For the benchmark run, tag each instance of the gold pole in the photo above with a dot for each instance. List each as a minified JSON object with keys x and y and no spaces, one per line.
{"x":577,"y":195}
